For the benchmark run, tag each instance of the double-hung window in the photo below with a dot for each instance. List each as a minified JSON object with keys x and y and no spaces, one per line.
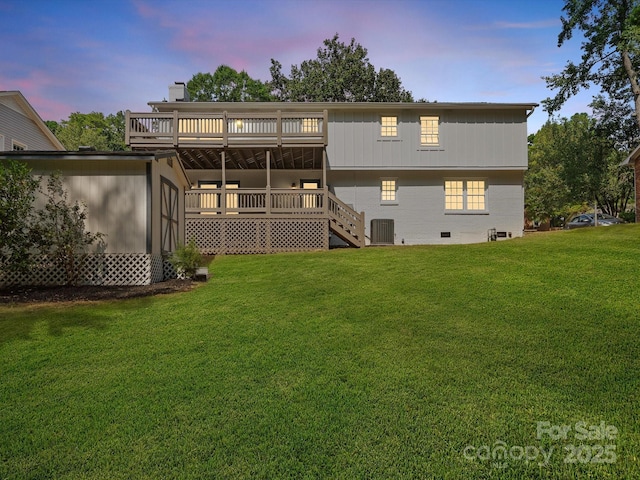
{"x":310,"y":125}
{"x":429,"y":130}
{"x":465,"y":196}
{"x":388,"y":191}
{"x":388,"y":126}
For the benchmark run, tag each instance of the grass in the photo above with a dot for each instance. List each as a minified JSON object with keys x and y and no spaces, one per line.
{"x":402,"y":362}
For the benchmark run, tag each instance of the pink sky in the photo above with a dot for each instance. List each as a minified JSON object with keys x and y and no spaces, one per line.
{"x":110,"y":55}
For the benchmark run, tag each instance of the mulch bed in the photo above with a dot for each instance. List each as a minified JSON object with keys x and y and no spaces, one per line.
{"x":90,"y":293}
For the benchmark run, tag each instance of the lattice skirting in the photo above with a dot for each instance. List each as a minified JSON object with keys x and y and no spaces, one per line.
{"x":248,"y":235}
{"x":99,"y":269}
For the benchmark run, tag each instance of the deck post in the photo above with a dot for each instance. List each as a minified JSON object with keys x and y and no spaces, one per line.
{"x":127,"y":130}
{"x":325,"y":187}
{"x":268,"y":192}
{"x":225,"y":130}
{"x":279,"y":128}
{"x":223,"y":195}
{"x":176,"y":124}
{"x":324,"y":167}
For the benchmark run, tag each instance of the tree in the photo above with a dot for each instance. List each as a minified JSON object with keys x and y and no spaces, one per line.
{"x":546,"y":194}
{"x":91,"y":129}
{"x":340,"y":73}
{"x":611,"y":50}
{"x":574,"y":161}
{"x":17,"y":193}
{"x":60,"y":231}
{"x":227,"y":85}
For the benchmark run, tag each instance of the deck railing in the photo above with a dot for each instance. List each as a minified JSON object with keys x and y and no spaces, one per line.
{"x":179,"y":129}
{"x":233,"y":201}
{"x":278,"y":203}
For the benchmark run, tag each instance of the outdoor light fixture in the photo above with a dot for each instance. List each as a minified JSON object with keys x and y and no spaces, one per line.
{"x":239,"y":124}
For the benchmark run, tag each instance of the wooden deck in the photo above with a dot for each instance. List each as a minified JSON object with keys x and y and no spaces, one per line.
{"x":220,"y":130}
{"x":267,"y":220}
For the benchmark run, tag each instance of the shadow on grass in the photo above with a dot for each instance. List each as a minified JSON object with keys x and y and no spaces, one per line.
{"x":18,"y":322}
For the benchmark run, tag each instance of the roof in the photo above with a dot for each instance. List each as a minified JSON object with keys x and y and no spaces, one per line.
{"x":85,"y":155}
{"x":633,"y":156}
{"x":335,"y":106}
{"x":32,"y":114}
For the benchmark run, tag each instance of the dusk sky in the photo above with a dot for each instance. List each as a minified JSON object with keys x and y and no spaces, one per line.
{"x":108,"y":55}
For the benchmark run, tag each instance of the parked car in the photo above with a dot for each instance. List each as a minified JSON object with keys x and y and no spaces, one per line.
{"x":587,"y":220}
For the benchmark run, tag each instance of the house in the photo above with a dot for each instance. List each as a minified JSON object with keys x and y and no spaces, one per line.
{"x":21,"y":128}
{"x":269,"y":177}
{"x":282,"y":177}
{"x":634,"y":160}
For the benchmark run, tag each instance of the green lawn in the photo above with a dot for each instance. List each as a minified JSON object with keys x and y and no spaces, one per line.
{"x":400,"y":362}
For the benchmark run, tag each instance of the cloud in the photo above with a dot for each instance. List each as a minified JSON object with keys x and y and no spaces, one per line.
{"x":540,"y":24}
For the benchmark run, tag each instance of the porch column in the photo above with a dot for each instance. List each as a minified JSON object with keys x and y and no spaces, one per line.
{"x":223,"y":195}
{"x":324,"y":167}
{"x":268,"y":190}
{"x":325,"y":187}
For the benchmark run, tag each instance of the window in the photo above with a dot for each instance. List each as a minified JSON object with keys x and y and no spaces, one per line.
{"x":389,"y":126}
{"x":429,"y":130}
{"x":310,"y":125}
{"x":388,"y":191}
{"x":310,"y":200}
{"x":475,"y":195}
{"x":465,"y":195}
{"x":17,"y":146}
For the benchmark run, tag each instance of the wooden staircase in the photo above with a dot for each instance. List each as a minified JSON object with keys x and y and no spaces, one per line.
{"x":345,"y":222}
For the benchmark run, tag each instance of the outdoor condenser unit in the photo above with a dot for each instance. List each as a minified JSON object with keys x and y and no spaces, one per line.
{"x":382,"y":231}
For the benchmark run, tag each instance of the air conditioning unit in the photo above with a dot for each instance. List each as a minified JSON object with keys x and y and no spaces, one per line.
{"x":382,"y":231}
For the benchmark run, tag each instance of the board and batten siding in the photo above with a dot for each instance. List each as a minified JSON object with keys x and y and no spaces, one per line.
{"x":115,"y":194}
{"x":475,"y":138}
{"x":419,"y":212}
{"x":14,"y":126}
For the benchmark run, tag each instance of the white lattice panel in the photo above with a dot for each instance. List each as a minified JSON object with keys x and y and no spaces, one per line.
{"x":168,"y":272}
{"x":99,"y":269}
{"x":258,"y":235}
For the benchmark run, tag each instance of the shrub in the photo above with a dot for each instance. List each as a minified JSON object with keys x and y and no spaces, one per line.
{"x":18,"y":189}
{"x":60,"y":230}
{"x":186,"y":259}
{"x":629,"y":216}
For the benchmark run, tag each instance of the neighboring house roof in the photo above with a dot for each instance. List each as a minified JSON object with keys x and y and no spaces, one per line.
{"x":30,"y":113}
{"x":633,"y":156}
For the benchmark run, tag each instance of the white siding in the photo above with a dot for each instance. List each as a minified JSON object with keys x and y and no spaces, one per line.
{"x":419,"y":215}
{"x":15,"y":126}
{"x":480,"y":139}
{"x":115,"y":193}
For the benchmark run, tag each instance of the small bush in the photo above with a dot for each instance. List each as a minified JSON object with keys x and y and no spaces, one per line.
{"x":629,"y":216}
{"x":186,"y":259}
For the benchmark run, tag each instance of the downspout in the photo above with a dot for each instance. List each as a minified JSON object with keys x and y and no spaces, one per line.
{"x":533,"y":109}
